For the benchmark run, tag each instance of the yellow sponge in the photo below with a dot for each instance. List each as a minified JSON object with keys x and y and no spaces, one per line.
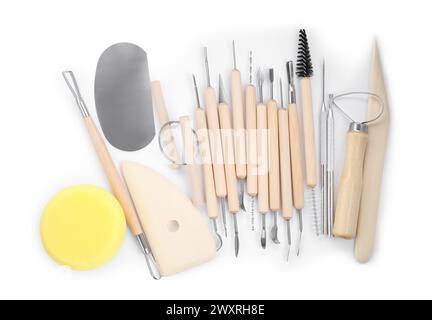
{"x":83,"y":227}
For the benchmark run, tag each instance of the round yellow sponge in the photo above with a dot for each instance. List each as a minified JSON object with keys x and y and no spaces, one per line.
{"x":83,"y":227}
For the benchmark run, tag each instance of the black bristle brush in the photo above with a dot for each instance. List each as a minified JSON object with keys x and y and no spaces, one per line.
{"x":304,"y":72}
{"x":304,"y":60}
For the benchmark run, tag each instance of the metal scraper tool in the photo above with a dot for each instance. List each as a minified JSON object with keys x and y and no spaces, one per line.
{"x":123,"y":97}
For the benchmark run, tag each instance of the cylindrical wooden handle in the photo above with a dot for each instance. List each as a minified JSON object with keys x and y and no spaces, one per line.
{"x":215,"y":142}
{"x":296,"y":157}
{"x":228,"y":151}
{"x":273,"y":155}
{"x":262,"y":157}
{"x":285,"y":165}
{"x":238,"y":124}
{"x":204,"y":147}
{"x":251,"y":126}
{"x":350,"y":186}
{"x":168,"y":139}
{"x":117,"y":184}
{"x":309,"y":132}
{"x":192,"y":168}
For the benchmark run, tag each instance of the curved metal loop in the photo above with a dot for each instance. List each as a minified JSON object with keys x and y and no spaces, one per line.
{"x":161,"y":146}
{"x":353,"y":93}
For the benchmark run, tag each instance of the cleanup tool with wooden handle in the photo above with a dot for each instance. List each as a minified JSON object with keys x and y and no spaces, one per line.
{"x":168,"y":139}
{"x":251,"y":130}
{"x":239,"y":127}
{"x":119,"y":188}
{"x":262,"y":157}
{"x":285,"y":168}
{"x":305,"y":72}
{"x":215,"y":142}
{"x":350,"y":185}
{"x":230,"y":172}
{"x":296,"y":154}
{"x":273,"y":159}
{"x":205,"y":153}
{"x":192,"y":168}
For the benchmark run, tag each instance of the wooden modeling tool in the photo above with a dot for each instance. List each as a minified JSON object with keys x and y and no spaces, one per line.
{"x":239,"y":128}
{"x":230,"y":172}
{"x":119,"y":189}
{"x":285,"y":168}
{"x":251,"y":128}
{"x":273,"y":159}
{"x":168,"y":139}
{"x":373,"y":165}
{"x":209,"y":183}
{"x":262,"y":157}
{"x":296,"y":156}
{"x":304,"y":72}
{"x":215,"y":142}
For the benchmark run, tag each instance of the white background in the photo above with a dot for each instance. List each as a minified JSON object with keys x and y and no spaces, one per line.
{"x":45,"y":145}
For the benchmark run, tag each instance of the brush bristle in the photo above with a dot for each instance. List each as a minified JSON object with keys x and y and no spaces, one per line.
{"x":304,"y":60}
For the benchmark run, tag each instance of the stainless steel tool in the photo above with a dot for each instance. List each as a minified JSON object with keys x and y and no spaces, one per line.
{"x":123,"y":97}
{"x":329,"y":175}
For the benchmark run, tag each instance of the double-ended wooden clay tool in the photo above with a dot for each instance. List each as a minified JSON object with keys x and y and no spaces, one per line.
{"x":296,"y":154}
{"x":305,"y":72}
{"x":215,"y":143}
{"x":251,"y":129}
{"x":273,"y":158}
{"x":262,"y":159}
{"x":239,"y":128}
{"x":206,"y":159}
{"x":374,"y":163}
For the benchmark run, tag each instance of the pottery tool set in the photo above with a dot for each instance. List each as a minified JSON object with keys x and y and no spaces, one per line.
{"x":241,"y":154}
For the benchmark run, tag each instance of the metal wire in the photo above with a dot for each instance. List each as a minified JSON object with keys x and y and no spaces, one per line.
{"x":354,"y":93}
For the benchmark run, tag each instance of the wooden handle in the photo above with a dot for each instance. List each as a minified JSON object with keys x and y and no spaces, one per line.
{"x":262,"y":157}
{"x":215,"y":142}
{"x":239,"y":124}
{"x":309,"y":132}
{"x":251,"y":126}
{"x":273,"y":155}
{"x":204,"y":147}
{"x":350,"y":186}
{"x":168,"y":139}
{"x":285,"y":165}
{"x":117,"y":184}
{"x":228,"y":151}
{"x":192,"y":168}
{"x":296,"y":157}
